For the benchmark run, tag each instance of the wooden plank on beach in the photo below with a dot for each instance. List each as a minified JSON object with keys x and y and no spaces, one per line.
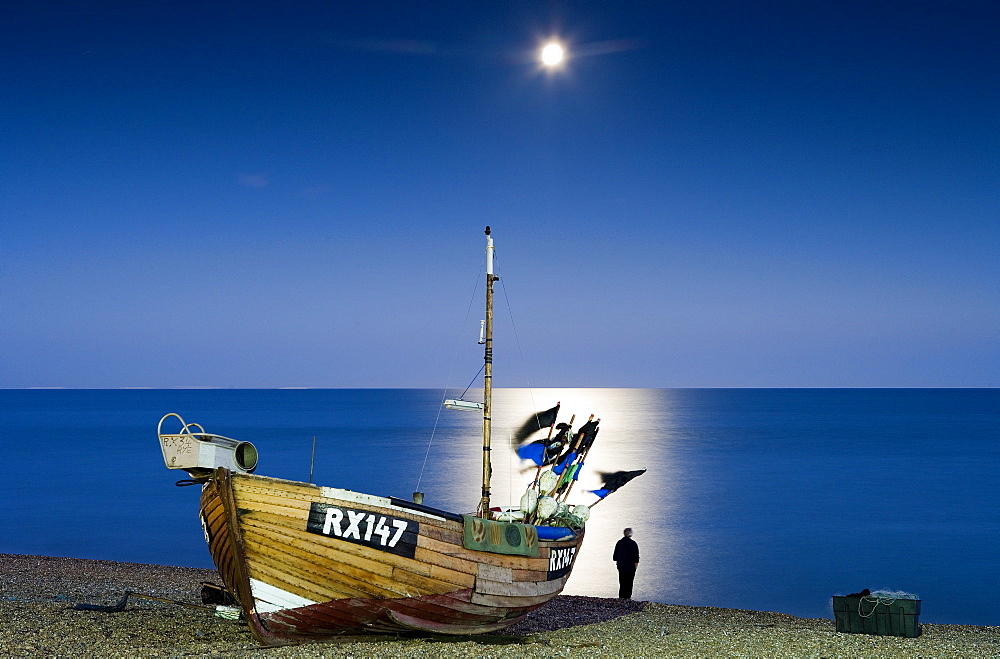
{"x":445,"y":561}
{"x":299,"y":495}
{"x":424,"y":585}
{"x":357,"y":561}
{"x":509,"y":601}
{"x":279,"y":574}
{"x":518,"y":589}
{"x":450,"y":535}
{"x":246,"y":483}
{"x":295,"y":539}
{"x":498,"y":560}
{"x":494,"y":573}
{"x":376,"y":562}
{"x":324,"y":573}
{"x":531,"y":575}
{"x":276,"y":506}
{"x":420,"y":624}
{"x":436,"y":559}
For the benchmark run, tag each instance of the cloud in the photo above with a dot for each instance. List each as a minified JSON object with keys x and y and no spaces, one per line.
{"x":607,"y":47}
{"x":404,"y":46}
{"x":254,"y":180}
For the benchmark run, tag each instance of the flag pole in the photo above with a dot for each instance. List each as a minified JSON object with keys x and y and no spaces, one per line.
{"x":538,"y":472}
{"x":601,"y":499}
{"x":567,"y":472}
{"x":579,"y":462}
{"x":484,"y":503}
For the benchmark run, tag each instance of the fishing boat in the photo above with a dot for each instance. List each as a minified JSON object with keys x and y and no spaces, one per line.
{"x":311,"y":563}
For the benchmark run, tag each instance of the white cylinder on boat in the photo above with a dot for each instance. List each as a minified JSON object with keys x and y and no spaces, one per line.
{"x":547,"y":481}
{"x":547,"y":507}
{"x":529,"y":500}
{"x":583,"y":512}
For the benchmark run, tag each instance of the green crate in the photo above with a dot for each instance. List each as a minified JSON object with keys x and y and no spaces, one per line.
{"x":877,"y":616}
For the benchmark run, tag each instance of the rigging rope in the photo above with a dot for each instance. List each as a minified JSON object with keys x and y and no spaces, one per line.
{"x":481,"y":368}
{"x":517,"y":342}
{"x":451,"y":370}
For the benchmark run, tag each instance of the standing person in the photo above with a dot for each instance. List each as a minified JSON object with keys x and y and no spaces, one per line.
{"x":627,"y":557}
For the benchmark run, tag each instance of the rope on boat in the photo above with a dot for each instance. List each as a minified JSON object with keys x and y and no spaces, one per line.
{"x":471,"y":382}
{"x":517,"y":341}
{"x":451,"y":370}
{"x":220,"y":610}
{"x":120,"y":606}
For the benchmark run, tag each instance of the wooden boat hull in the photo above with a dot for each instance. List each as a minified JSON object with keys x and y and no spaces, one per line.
{"x":310,"y":563}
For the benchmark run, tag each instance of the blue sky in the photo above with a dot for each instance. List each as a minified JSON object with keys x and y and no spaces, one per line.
{"x":711,"y":194}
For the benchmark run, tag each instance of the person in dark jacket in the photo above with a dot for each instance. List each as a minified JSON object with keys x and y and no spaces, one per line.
{"x":627,"y":557}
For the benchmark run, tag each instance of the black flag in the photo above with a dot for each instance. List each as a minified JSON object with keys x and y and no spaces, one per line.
{"x":555,"y":446}
{"x":546,"y":451}
{"x":536,"y":422}
{"x":586,"y":435}
{"x":614,"y":481}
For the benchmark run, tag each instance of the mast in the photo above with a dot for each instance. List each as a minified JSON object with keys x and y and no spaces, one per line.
{"x":484,"y":503}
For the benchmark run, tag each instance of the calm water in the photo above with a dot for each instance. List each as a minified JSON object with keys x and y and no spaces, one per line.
{"x":755,"y":498}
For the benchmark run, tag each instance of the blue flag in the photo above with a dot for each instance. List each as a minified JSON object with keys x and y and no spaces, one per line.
{"x":561,"y":467}
{"x":535,"y":451}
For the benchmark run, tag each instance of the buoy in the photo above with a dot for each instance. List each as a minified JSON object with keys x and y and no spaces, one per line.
{"x":529,"y":501}
{"x":548,"y":481}
{"x":547,"y":507}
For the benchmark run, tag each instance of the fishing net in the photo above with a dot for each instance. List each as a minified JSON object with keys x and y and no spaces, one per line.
{"x":564,"y":518}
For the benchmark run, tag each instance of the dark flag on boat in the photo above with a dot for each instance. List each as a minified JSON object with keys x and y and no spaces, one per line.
{"x":545,"y":451}
{"x":536,"y":422}
{"x":586,"y":435}
{"x":565,"y":463}
{"x":555,"y":447}
{"x":614,"y":481}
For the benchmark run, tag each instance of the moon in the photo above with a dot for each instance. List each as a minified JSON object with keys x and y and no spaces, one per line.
{"x":552,"y":54}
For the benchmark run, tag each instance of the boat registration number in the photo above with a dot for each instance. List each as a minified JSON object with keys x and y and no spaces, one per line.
{"x":561,"y":562}
{"x":363,"y":527}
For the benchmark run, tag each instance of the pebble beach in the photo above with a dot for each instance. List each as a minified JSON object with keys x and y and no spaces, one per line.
{"x":38,"y":595}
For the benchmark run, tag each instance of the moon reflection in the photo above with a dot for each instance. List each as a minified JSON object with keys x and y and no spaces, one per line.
{"x":636,"y":433}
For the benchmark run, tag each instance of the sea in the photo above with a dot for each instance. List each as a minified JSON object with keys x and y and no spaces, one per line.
{"x":764,"y":499}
